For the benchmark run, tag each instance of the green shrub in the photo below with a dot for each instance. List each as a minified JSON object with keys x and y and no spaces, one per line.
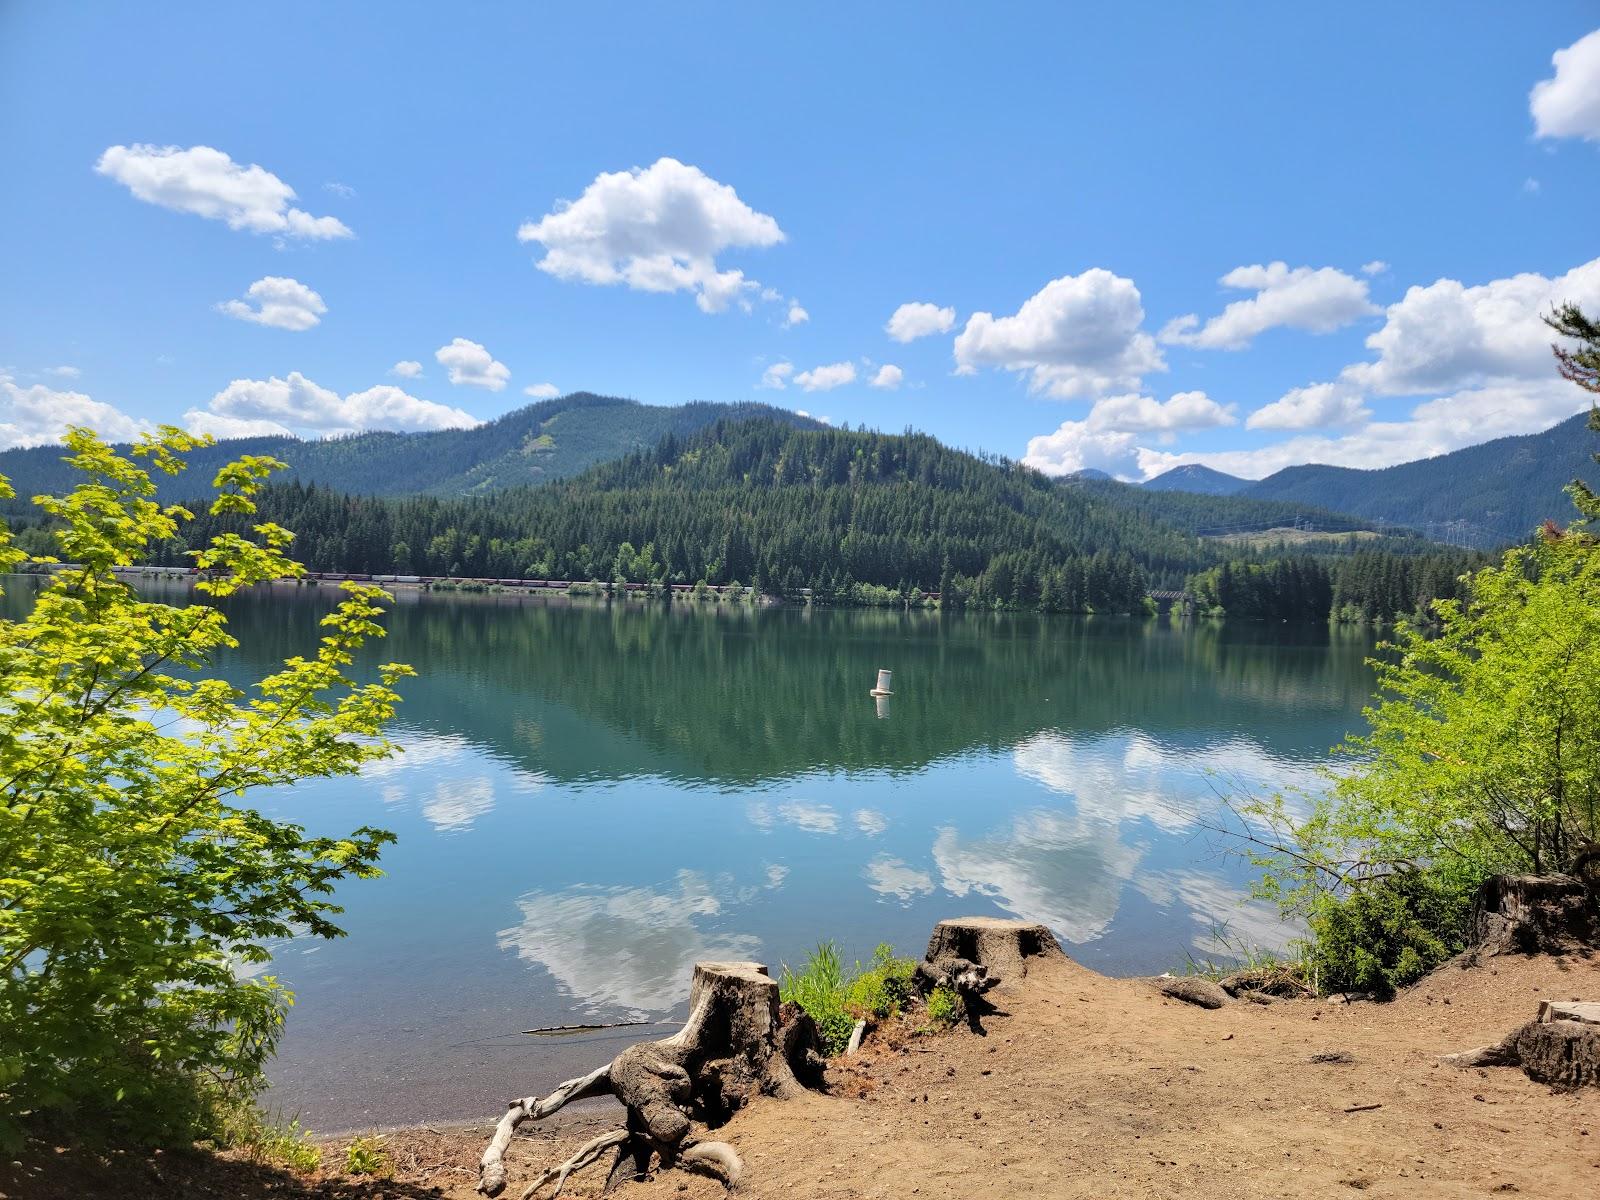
{"x":367,"y":1156}
{"x":1389,"y":933}
{"x":836,"y":999}
{"x":944,"y":1006}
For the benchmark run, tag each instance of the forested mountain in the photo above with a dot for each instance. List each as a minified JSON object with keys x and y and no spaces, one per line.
{"x":1216,"y":515}
{"x":764,"y":502}
{"x":549,"y":440}
{"x":1198,"y":479}
{"x":1486,"y":495}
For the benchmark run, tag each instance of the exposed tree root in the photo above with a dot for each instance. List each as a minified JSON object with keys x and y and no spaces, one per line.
{"x":737,"y":1044}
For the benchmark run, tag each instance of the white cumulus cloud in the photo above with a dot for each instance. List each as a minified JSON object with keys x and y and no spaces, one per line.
{"x":1449,"y":335}
{"x":654,"y":229}
{"x":919,"y":319}
{"x":38,"y":415}
{"x":1079,"y":335}
{"x":470,"y":363}
{"x":1139,"y":414}
{"x":63,"y":372}
{"x":1376,"y":267}
{"x":295,"y":404}
{"x":777,"y":376}
{"x":888,"y":377}
{"x":279,"y":302}
{"x":826,"y":378}
{"x":1319,"y":406}
{"x":1568,"y":104}
{"x":542,"y":391}
{"x":206,"y":182}
{"x":406,"y":368}
{"x":1317,"y":300}
{"x":795,"y":316}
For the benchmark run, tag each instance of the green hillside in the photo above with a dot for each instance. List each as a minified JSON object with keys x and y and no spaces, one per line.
{"x":768,"y":503}
{"x":553,"y":439}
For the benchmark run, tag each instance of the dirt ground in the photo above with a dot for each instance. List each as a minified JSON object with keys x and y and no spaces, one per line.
{"x":1083,"y":1086}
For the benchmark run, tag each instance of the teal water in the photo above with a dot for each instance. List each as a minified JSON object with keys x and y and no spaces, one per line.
{"x":593,"y":796}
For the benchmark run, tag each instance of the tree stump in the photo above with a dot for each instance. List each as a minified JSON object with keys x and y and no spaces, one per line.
{"x":737,"y":1044}
{"x":1532,"y":914}
{"x":1561,"y":1047}
{"x":971,"y":955}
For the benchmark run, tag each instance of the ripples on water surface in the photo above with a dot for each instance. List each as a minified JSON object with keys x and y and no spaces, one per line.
{"x":593,"y":797}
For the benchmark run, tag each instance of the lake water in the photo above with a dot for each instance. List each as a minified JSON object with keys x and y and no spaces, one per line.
{"x":592,"y":797}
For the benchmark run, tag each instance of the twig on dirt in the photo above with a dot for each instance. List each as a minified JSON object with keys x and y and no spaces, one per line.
{"x":1362,"y":1108}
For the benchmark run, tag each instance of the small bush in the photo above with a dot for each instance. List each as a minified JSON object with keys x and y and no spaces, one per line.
{"x":944,"y":1007}
{"x":836,"y":999}
{"x":1389,"y":933}
{"x":367,"y":1156}
{"x":237,"y":1124}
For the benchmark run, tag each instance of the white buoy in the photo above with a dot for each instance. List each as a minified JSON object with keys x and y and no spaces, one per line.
{"x":883,"y":683}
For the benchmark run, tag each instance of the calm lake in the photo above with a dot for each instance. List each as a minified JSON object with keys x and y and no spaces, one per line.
{"x":594,"y":796}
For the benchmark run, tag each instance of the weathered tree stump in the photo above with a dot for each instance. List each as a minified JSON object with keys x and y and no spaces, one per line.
{"x":1561,"y":1047}
{"x":738,"y":1043}
{"x":971,"y":955}
{"x":1532,"y":914}
{"x":997,"y":948}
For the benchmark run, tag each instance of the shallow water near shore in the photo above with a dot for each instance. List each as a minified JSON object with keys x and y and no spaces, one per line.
{"x":593,"y":796}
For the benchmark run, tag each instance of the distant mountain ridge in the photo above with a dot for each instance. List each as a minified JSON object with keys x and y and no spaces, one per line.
{"x":1491,"y":494}
{"x":1201,"y":480}
{"x":553,"y":439}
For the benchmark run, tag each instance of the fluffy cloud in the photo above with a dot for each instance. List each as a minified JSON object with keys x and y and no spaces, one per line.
{"x":888,"y":377}
{"x":1320,"y":406}
{"x":777,"y":376}
{"x":208,"y":183}
{"x":655,"y":229}
{"x":1078,"y":335}
{"x":1568,"y":105}
{"x":1318,"y":300}
{"x":1106,"y":440}
{"x":826,"y":378}
{"x":1376,"y":267}
{"x":1075,"y":447}
{"x":1448,"y":335}
{"x":63,"y":372}
{"x":406,"y":368}
{"x":1139,"y":414}
{"x":919,"y":319}
{"x":281,"y":405}
{"x":469,"y":363}
{"x":542,"y":391}
{"x":795,"y":316}
{"x":38,"y":415}
{"x":279,"y":302}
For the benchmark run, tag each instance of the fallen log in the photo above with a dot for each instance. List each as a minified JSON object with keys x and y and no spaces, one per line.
{"x":738,"y":1043}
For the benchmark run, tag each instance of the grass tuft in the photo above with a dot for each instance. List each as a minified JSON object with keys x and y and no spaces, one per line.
{"x":836,"y":998}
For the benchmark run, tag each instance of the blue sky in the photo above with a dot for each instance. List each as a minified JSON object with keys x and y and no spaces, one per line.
{"x":1070,"y":182}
